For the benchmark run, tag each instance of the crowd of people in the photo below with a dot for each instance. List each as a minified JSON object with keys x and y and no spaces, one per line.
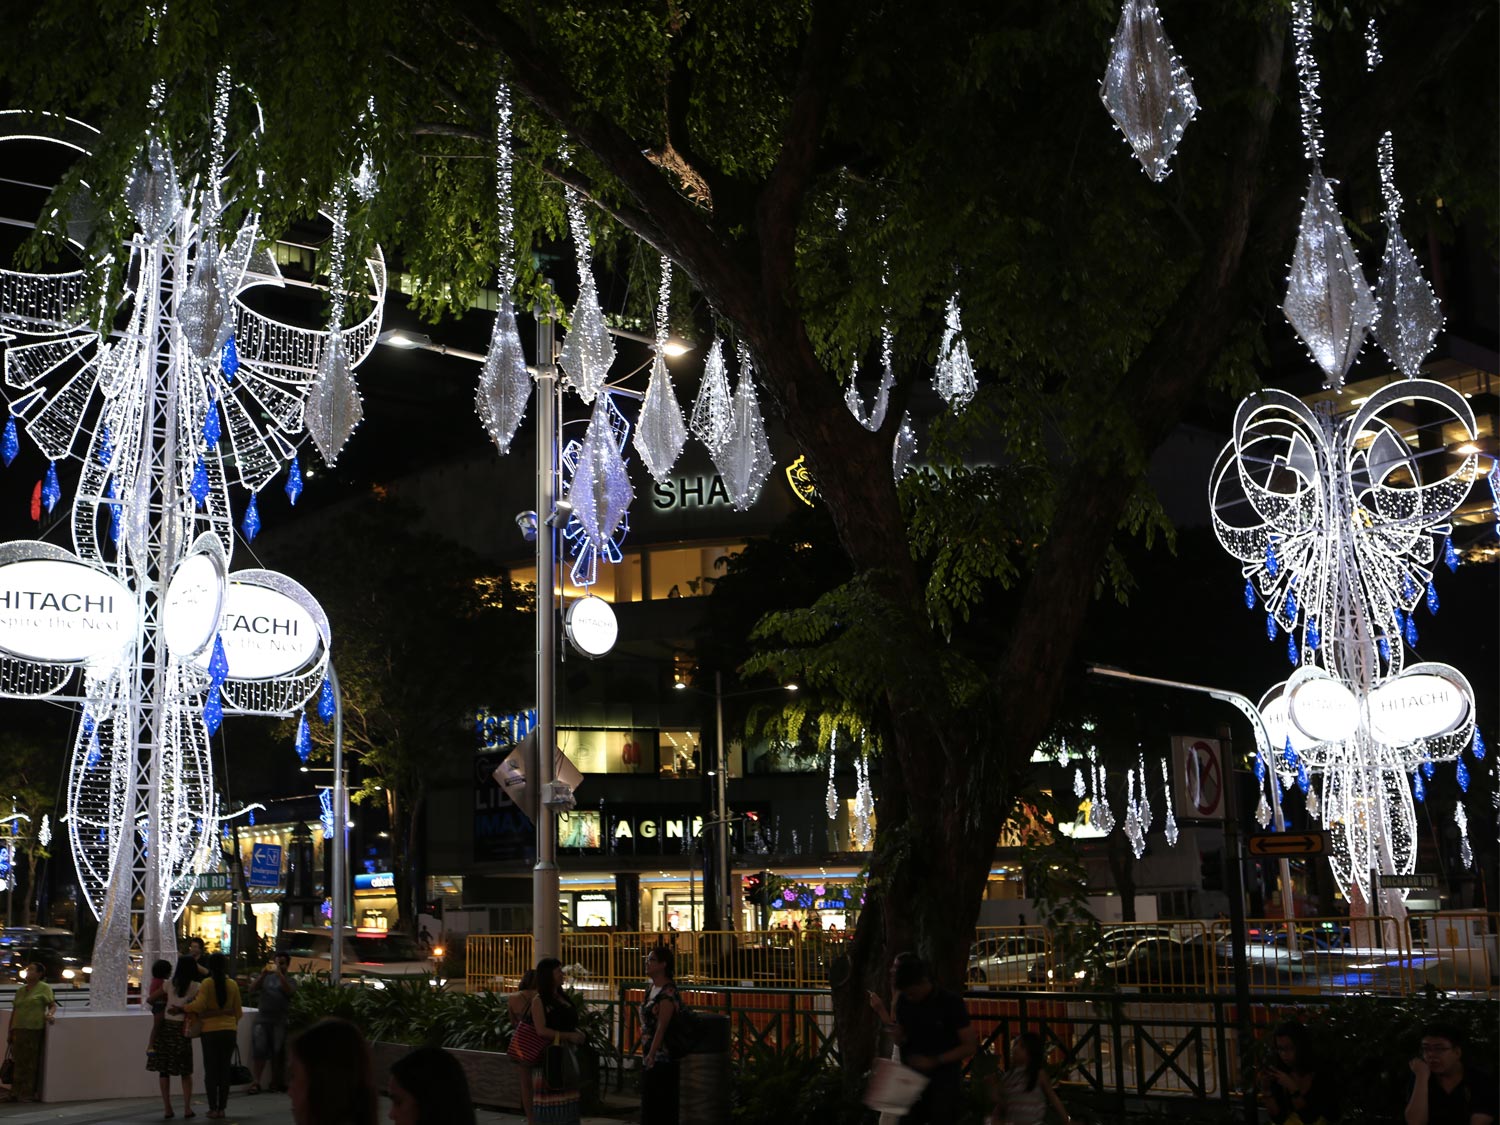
{"x":329,"y":1073}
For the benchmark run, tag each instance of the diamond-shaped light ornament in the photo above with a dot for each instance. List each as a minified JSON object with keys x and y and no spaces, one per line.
{"x":152,"y":192}
{"x":713,"y":411}
{"x":327,"y":704}
{"x":294,"y":480}
{"x":206,"y":312}
{"x":198,"y":486}
{"x":600,"y":492}
{"x":954,"y":375}
{"x":1146,"y":89}
{"x":745,"y":460}
{"x":1408,"y":315}
{"x":587,"y":350}
{"x":504,"y":383}
{"x":303,"y":742}
{"x":10,"y":442}
{"x":334,"y":407}
{"x":51,"y":489}
{"x":1327,"y":300}
{"x":660,"y":432}
{"x":250,"y":525}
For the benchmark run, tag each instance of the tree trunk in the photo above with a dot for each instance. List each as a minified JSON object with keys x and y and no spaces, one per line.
{"x":1122,"y":867}
{"x":399,"y":868}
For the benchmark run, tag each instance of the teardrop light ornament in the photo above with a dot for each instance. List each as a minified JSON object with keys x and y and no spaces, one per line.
{"x":600,"y":492}
{"x":504,"y":383}
{"x":904,"y":448}
{"x":1327,"y":299}
{"x":713,"y":411}
{"x":334,"y":407}
{"x":954,"y":375}
{"x":660,"y":432}
{"x":153,"y":193}
{"x":745,"y":460}
{"x":1146,"y":89}
{"x":587,"y":351}
{"x":1409,"y":317}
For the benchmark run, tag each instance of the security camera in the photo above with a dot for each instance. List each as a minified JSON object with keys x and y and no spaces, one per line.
{"x":526,"y":521}
{"x":562,"y":511}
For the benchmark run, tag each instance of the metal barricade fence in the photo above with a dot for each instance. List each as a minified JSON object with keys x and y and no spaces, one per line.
{"x":1454,"y":951}
{"x":496,"y":962}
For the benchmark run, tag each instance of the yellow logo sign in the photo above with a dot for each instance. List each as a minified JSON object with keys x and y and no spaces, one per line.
{"x":800,"y":478}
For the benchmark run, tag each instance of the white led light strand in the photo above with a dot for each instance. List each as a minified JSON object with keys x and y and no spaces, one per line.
{"x":660,"y":432}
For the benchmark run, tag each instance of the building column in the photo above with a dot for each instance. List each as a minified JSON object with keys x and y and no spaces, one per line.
{"x":627,"y":902}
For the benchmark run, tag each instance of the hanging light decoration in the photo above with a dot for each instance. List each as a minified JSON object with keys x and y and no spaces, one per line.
{"x":1465,"y":850}
{"x":1328,"y":301}
{"x":600,"y":492}
{"x":1170,"y":828}
{"x":864,"y":804}
{"x":504,"y":383}
{"x":831,"y":799}
{"x":587,"y":351}
{"x":713,"y":411}
{"x":904,"y":448}
{"x":1146,"y":89}
{"x":334,"y":406}
{"x":660,"y":432}
{"x":745,"y":460}
{"x":954,"y":376}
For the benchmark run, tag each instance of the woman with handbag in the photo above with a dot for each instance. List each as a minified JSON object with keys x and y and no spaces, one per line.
{"x":172,"y":1052}
{"x":32,"y":1009}
{"x":218,"y":1003}
{"x":555,"y":1093}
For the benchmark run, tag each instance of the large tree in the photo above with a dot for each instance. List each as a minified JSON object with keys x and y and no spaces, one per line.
{"x":817,"y":169}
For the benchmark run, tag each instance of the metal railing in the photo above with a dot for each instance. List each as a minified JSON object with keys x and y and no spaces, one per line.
{"x":1453,"y":952}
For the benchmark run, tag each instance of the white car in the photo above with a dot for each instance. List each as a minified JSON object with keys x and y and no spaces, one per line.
{"x":371,"y":959}
{"x":1007,"y":960}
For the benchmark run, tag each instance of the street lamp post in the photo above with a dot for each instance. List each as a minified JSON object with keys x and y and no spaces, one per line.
{"x":545,"y":923}
{"x":725,"y":899}
{"x":340,"y":829}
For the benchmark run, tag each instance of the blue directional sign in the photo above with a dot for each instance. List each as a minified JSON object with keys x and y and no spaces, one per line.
{"x":265,"y":865}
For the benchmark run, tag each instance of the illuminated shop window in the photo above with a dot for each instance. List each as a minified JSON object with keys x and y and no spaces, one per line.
{"x":688,"y":572}
{"x":681,"y":753}
{"x":609,"y":751}
{"x":618,"y":583}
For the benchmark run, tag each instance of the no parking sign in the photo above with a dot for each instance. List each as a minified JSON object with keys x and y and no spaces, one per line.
{"x":1198,"y":766}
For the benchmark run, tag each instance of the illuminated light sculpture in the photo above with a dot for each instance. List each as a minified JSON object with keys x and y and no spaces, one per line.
{"x":598,"y":489}
{"x":744,"y":461}
{"x":954,"y":375}
{"x":168,"y":648}
{"x":1337,"y":511}
{"x":1145,"y":88}
{"x":712,"y":422}
{"x":660,"y":432}
{"x":587,"y":351}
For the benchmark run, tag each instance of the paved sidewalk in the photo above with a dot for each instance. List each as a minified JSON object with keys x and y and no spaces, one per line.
{"x":265,"y":1107}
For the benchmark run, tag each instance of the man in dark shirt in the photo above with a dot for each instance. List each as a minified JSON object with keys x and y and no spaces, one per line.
{"x":1443,"y":1090}
{"x":932,"y":1029}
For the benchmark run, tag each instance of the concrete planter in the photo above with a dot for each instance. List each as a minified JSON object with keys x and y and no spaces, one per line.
{"x":493,"y":1079}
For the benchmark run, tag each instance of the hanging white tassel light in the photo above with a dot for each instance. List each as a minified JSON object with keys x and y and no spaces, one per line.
{"x":660,"y":433}
{"x":1146,"y":89}
{"x":587,"y":351}
{"x":1170,"y":828}
{"x":744,"y":461}
{"x":954,"y":375}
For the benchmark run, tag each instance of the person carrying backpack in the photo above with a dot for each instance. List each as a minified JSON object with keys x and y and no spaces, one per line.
{"x":664,"y":1044}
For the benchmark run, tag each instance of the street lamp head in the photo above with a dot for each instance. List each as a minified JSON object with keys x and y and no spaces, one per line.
{"x":680,"y":685}
{"x":401,"y":338}
{"x":791,"y":687}
{"x":674,"y":348}
{"x":527,"y":522}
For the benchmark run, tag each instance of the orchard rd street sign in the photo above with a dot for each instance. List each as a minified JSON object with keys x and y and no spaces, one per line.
{"x":1288,"y":843}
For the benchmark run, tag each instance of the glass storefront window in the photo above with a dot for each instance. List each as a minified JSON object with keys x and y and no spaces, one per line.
{"x":688,"y":572}
{"x":681,"y":754}
{"x":618,"y":583}
{"x":608,"y":751}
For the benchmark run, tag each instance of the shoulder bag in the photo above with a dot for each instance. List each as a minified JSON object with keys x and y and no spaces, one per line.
{"x":526,"y":1043}
{"x":560,"y":1067}
{"x":7,"y":1068}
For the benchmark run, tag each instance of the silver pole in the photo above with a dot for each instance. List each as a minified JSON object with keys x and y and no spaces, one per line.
{"x":340,"y":828}
{"x":722,"y":874}
{"x":545,"y":939}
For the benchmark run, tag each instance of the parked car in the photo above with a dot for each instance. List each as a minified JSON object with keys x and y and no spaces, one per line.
{"x":373,"y":959}
{"x":1007,"y":960}
{"x":1159,"y":964}
{"x":59,"y":952}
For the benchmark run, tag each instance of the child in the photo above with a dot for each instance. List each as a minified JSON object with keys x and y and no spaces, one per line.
{"x":1023,"y":1090}
{"x":156,"y":1000}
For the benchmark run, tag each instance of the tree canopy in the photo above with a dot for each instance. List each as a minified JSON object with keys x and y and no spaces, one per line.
{"x":817,"y":170}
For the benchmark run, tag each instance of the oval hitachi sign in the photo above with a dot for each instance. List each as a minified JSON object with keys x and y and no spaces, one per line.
{"x":57,"y":609}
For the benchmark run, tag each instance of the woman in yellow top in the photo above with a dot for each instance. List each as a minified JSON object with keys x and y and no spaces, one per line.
{"x":32,"y":1010}
{"x":218,"y":1006}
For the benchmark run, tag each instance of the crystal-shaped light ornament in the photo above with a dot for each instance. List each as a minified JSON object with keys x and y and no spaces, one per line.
{"x":504,"y":383}
{"x":1409,"y":317}
{"x":660,"y":432}
{"x":1260,"y":768}
{"x":1146,"y":89}
{"x":1384,"y":646}
{"x":1249,"y":594}
{"x":303,"y":742}
{"x":198,"y":486}
{"x":1263,"y":812}
{"x":1170,"y":828}
{"x":1429,"y":767}
{"x":1078,"y":787}
{"x":51,"y":489}
{"x":600,"y":491}
{"x":212,"y":429}
{"x":1292,"y":654}
{"x":1465,"y":849}
{"x":1328,"y":301}
{"x":294,"y":480}
{"x":904,"y":448}
{"x":250,"y":525}
{"x":587,"y":350}
{"x":96,"y":754}
{"x":229,"y":360}
{"x":334,"y":406}
{"x":327,"y":704}
{"x":1463,"y":775}
{"x":1304,"y":780}
{"x":106,"y":445}
{"x":218,"y":663}
{"x":1418,"y":786}
{"x":745,"y":460}
{"x":1479,"y":747}
{"x":1451,"y":556}
{"x":1289,"y":754}
{"x":1432,"y":597}
{"x":1314,"y":636}
{"x":213,"y":710}
{"x":10,"y":442}
{"x":878,"y":406}
{"x":1313,"y":805}
{"x":1270,"y":626}
{"x":153,"y":193}
{"x":1290,"y":605}
{"x":1410,"y":632}
{"x":712,"y":422}
{"x":206,"y":311}
{"x":954,"y":375}
{"x":1272,"y":563}
{"x":831,"y":798}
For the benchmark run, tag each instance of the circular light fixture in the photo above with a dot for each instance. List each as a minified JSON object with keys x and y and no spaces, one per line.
{"x":591,"y":626}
